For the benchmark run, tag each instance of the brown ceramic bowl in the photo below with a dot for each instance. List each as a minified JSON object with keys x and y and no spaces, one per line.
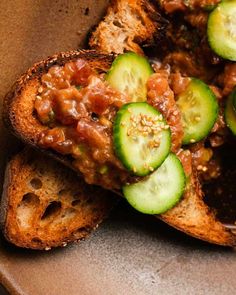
{"x":129,"y":253}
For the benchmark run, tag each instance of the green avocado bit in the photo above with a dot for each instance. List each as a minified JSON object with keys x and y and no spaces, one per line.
{"x":78,"y":87}
{"x":103,"y":169}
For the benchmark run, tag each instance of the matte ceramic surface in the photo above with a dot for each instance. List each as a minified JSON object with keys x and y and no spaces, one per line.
{"x":129,"y":254}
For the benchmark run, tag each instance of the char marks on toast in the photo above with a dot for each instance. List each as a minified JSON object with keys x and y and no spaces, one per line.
{"x":45,"y":205}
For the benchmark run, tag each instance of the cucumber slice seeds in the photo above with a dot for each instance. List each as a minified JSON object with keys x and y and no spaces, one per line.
{"x":199,"y":110}
{"x":129,"y":74}
{"x":142,"y":139}
{"x":221,"y":30}
{"x":230,"y":114}
{"x":160,"y":191}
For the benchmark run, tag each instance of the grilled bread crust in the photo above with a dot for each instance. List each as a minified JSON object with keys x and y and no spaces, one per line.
{"x":46,"y":205}
{"x":127,"y":25}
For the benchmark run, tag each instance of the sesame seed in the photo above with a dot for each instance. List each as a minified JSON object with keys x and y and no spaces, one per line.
{"x":40,"y":90}
{"x":192,"y":140}
{"x":151,"y":168}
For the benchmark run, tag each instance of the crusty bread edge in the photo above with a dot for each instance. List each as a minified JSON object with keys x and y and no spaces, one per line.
{"x":227,"y":237}
{"x":36,"y":71}
{"x":111,"y":203}
{"x":4,"y":199}
{"x":230,"y":242}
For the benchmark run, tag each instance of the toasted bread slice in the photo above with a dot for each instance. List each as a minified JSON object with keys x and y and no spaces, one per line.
{"x":18,"y":105}
{"x":127,"y":24}
{"x":46,"y":205}
{"x":117,"y":33}
{"x":191,"y":215}
{"x":195,"y":218}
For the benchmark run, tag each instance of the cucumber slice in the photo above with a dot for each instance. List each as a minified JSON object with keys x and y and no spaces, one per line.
{"x":160,"y":191}
{"x":221,"y":30}
{"x":129,"y":74}
{"x":230,"y":114}
{"x":199,"y":110}
{"x":142,"y":139}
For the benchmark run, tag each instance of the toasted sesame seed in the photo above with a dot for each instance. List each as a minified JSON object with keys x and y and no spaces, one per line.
{"x":40,"y":90}
{"x":199,"y":167}
{"x":192,"y":140}
{"x":151,"y":168}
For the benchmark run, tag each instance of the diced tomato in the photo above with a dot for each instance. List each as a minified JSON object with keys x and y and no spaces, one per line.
{"x":82,"y":72}
{"x":43,"y":108}
{"x":93,"y":133}
{"x":162,"y":97}
{"x":67,"y":105}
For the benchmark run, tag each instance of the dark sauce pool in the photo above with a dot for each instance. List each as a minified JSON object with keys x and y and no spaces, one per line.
{"x":220,"y":194}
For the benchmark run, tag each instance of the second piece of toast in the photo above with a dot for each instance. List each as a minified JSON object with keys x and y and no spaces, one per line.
{"x":46,"y":205}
